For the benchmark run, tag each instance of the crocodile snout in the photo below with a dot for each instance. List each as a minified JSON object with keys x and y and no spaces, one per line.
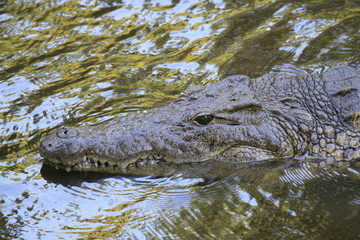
{"x":61,"y":145}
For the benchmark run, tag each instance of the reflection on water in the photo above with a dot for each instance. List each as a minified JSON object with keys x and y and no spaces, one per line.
{"x":84,"y":61}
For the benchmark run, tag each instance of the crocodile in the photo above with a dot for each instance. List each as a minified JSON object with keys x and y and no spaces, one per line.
{"x":222,"y":125}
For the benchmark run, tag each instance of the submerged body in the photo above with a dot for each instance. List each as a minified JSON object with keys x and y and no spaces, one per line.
{"x":221,"y":125}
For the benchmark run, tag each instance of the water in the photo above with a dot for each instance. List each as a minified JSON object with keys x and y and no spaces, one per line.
{"x":74,"y":62}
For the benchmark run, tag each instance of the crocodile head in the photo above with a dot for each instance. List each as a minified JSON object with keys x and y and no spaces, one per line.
{"x":236,"y":120}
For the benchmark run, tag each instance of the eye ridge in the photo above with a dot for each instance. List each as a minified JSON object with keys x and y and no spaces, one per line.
{"x":203,"y":119}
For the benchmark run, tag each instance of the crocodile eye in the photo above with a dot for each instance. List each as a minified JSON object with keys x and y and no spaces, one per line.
{"x":203,"y":119}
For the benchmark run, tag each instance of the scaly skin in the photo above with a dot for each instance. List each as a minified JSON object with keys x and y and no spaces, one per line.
{"x":221,"y":125}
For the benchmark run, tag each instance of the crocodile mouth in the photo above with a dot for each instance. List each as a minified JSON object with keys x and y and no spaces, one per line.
{"x":90,"y":164}
{"x":151,"y":161}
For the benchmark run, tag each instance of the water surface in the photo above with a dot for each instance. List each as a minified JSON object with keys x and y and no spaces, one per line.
{"x":73,"y":62}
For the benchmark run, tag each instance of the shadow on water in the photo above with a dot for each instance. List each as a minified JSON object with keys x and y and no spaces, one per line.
{"x":301,"y":205}
{"x":74,"y":62}
{"x":274,"y":200}
{"x":302,"y":202}
{"x":264,"y":201}
{"x":59,"y":176}
{"x":207,"y":171}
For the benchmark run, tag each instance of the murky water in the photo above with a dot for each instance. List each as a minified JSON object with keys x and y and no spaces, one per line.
{"x":74,"y":62}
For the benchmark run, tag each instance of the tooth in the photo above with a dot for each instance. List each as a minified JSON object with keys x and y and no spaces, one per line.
{"x":119,"y":165}
{"x":56,"y":167}
{"x":150,"y":157}
{"x":87,"y":164}
{"x":152,"y":162}
{"x":157,"y":156}
{"x":144,"y":156}
{"x":68,"y":169}
{"x":140,"y":164}
{"x":84,"y":158}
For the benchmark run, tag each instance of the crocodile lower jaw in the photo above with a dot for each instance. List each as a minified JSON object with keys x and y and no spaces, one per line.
{"x":89,"y":164}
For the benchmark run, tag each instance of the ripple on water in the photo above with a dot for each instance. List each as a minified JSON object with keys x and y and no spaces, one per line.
{"x":109,"y":202}
{"x":74,"y":62}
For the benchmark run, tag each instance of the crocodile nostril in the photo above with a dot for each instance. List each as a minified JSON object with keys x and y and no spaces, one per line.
{"x":66,"y":132}
{"x":47,"y":145}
